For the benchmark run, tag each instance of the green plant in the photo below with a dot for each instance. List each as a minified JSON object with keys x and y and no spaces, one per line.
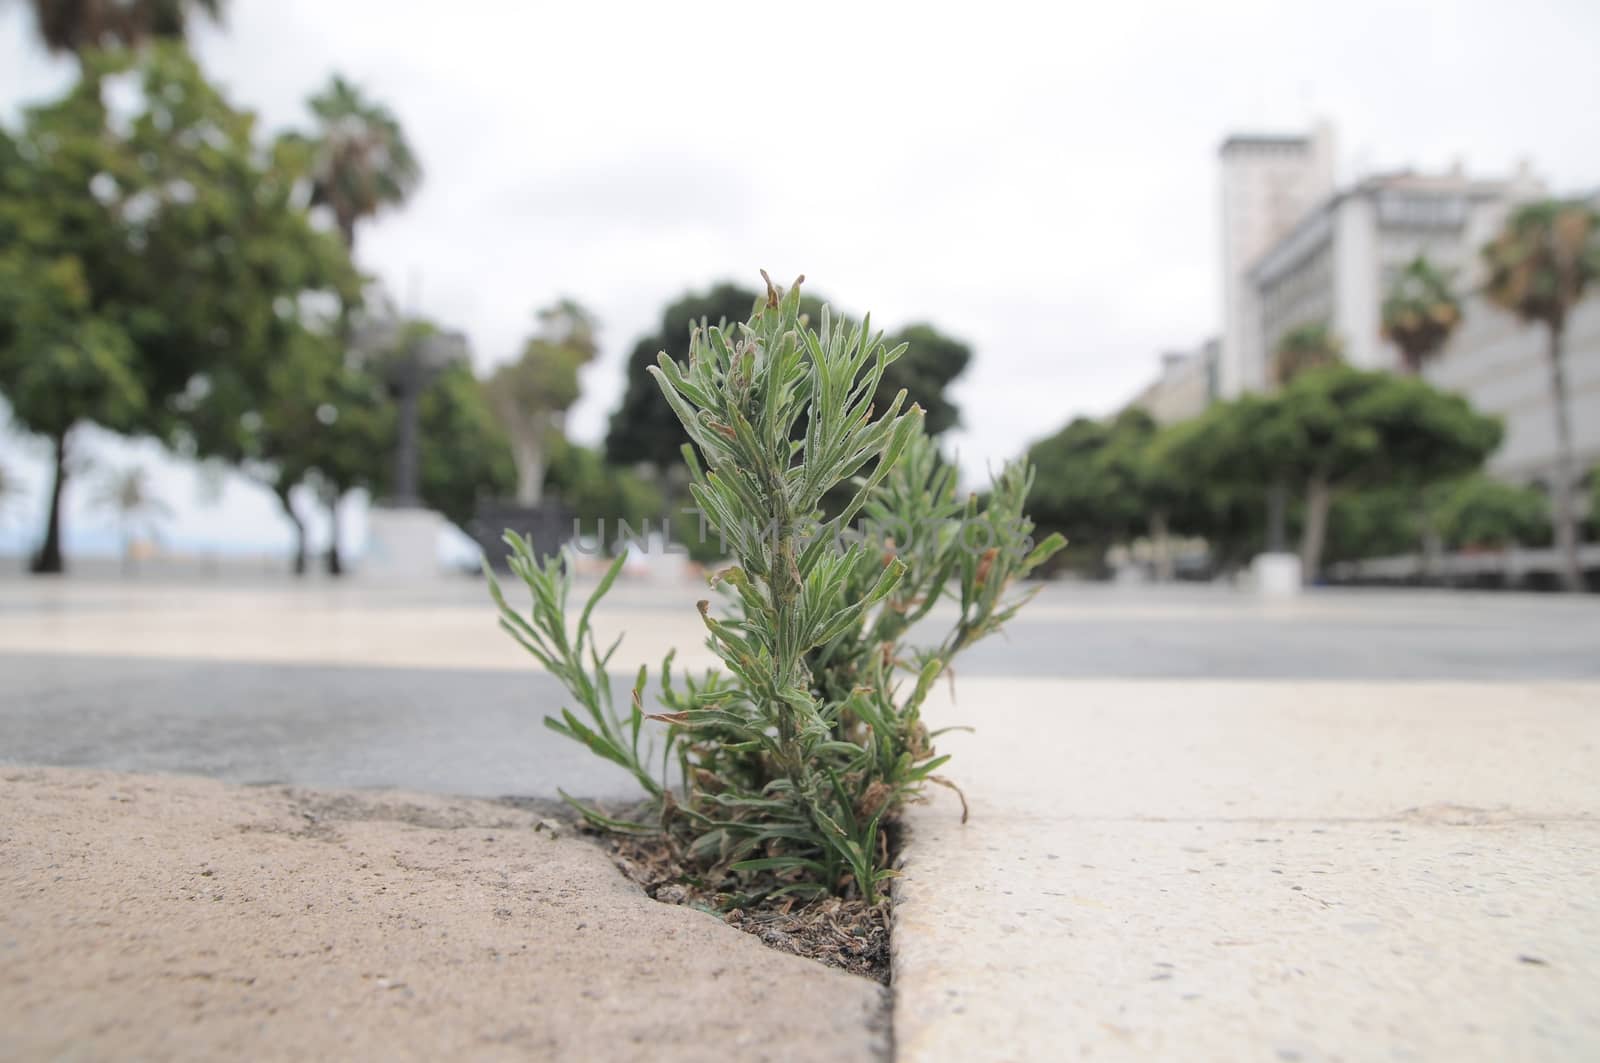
{"x":780,"y":770}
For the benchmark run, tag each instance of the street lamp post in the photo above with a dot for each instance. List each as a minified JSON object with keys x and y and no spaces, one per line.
{"x":403,"y":534}
{"x":408,"y":366}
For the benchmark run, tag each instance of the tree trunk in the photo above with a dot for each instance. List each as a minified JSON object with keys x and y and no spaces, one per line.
{"x":1318,"y":498}
{"x":299,"y":527}
{"x":1277,"y":509}
{"x":335,"y":562}
{"x":1432,"y":542}
{"x":48,"y":561}
{"x":1566,"y":519}
{"x":528,"y":451}
{"x":1161,"y":546}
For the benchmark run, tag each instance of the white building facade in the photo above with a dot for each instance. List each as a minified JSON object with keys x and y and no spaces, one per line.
{"x":1186,"y":385}
{"x":1336,"y":265}
{"x":1502,"y":366}
{"x":1337,"y":258}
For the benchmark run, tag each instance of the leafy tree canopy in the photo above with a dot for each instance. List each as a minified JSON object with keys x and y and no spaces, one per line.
{"x":1479,"y":511}
{"x":464,"y":454}
{"x":644,"y":430}
{"x":153,"y":265}
{"x":1089,"y":478}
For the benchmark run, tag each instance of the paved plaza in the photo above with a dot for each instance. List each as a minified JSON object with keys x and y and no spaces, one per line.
{"x":1348,"y":825}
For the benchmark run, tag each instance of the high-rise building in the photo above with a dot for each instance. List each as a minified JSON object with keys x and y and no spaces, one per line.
{"x":1297,"y":252}
{"x":1269,"y":183}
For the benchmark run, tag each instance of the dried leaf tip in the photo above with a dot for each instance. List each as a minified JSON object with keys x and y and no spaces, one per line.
{"x":773,"y":295}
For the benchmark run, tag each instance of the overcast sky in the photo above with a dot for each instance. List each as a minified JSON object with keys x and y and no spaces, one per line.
{"x":1038,"y":180}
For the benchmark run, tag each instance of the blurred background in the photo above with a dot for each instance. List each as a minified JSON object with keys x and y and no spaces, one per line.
{"x":299,"y":287}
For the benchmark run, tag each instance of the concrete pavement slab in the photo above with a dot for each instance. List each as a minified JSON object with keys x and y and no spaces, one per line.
{"x":1256,"y":871}
{"x":158,"y":917}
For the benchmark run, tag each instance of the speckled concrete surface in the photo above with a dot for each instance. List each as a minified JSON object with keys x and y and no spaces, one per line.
{"x":159,"y":917}
{"x":1229,"y":871}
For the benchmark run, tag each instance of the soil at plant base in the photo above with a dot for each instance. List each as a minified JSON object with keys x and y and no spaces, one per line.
{"x":845,"y":933}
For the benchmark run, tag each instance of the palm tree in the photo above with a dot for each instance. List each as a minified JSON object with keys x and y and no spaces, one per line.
{"x":1539,"y":265}
{"x":361,"y":163}
{"x":127,"y":492}
{"x":1306,"y":347}
{"x":76,"y":26}
{"x":361,"y":160}
{"x":1420,"y":312}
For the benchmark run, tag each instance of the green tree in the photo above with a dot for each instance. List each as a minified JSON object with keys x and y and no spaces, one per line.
{"x":78,"y":26}
{"x":596,"y":491}
{"x":284,"y":429}
{"x":1480,"y":511}
{"x":362,"y":163}
{"x":531,"y":395}
{"x":62,"y":365}
{"x":1212,"y":479}
{"x":1371,"y":522}
{"x":1420,"y":312}
{"x":153,"y":270}
{"x":1089,"y":482}
{"x":351,"y":448}
{"x":932,"y":363}
{"x":1539,"y":266}
{"x":465,"y":456}
{"x":1303,"y":348}
{"x":643,"y":429}
{"x":1336,"y":429}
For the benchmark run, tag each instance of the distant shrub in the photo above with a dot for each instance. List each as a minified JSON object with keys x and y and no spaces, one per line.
{"x":1482,"y":512}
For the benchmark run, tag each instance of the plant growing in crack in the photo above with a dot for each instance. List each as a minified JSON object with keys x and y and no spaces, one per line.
{"x":779,"y":771}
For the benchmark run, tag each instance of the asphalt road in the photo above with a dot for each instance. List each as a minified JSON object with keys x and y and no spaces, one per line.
{"x":478,"y":730}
